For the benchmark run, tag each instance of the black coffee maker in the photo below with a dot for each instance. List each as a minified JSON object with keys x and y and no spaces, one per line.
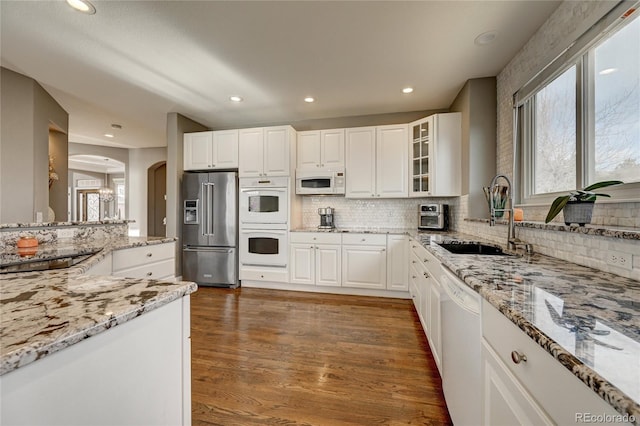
{"x":326,"y":218}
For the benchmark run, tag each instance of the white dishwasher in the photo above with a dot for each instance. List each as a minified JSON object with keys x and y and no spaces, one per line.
{"x":461,"y":343}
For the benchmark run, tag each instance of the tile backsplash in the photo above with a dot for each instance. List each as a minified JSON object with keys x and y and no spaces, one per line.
{"x":399,"y":213}
{"x":587,"y":250}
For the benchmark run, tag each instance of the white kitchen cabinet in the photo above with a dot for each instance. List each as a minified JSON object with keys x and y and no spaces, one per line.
{"x":425,"y":270}
{"x":211,"y":150}
{"x":397,"y":264}
{"x":435,"y":319}
{"x":320,"y":149}
{"x":137,"y":372}
{"x":435,"y":154}
{"x":539,"y":390}
{"x":303,"y":263}
{"x":376,"y":162}
{"x":155,"y":261}
{"x":266,"y":151}
{"x":506,"y":402}
{"x":392,"y":154}
{"x":360,"y":162}
{"x":364,"y":261}
{"x":316,"y":259}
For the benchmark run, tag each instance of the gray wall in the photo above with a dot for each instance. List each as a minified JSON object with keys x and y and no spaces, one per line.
{"x":477,"y":104}
{"x":139,"y":161}
{"x":177,"y":126}
{"x":27,"y":112}
{"x":58,"y":193}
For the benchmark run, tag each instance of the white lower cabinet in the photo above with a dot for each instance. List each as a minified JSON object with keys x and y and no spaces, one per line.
{"x":506,"y":402}
{"x":135,"y":373}
{"x":315,"y":259}
{"x":536,"y":391}
{"x":397,"y":266}
{"x":425,"y":271}
{"x":364,"y":261}
{"x":151,"y":261}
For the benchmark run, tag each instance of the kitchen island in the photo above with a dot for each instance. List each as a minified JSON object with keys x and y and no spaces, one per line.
{"x":91,"y":349}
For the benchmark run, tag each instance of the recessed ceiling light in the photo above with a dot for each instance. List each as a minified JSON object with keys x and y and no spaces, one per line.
{"x":82,"y":6}
{"x":608,"y":71}
{"x":235,"y":98}
{"x":486,"y":38}
{"x":407,"y":90}
{"x":309,"y":99}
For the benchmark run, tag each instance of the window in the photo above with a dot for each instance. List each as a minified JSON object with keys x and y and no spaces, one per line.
{"x":580,"y":124}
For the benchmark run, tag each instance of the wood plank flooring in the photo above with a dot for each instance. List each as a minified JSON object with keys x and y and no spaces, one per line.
{"x":265,"y":357}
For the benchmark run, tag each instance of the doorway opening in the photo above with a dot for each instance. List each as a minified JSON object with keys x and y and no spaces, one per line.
{"x":157,"y":200}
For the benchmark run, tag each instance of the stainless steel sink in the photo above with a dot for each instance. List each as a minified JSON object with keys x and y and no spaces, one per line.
{"x":473,"y":248}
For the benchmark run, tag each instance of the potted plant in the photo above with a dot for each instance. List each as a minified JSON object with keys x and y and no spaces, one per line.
{"x":577,"y":207}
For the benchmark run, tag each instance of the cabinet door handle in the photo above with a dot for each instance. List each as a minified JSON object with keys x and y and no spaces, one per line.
{"x":425,"y":260}
{"x":312,"y":247}
{"x":413,"y":276}
{"x":149,"y":254}
{"x":384,"y":249}
{"x":149,"y":274}
{"x":517,"y":357}
{"x":413,"y":261}
{"x":425,"y":275}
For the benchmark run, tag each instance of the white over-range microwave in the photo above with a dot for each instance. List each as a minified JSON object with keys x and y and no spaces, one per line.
{"x":319,"y":182}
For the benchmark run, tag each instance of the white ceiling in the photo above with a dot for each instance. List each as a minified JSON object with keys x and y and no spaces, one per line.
{"x":135,"y":61}
{"x":95,"y":163}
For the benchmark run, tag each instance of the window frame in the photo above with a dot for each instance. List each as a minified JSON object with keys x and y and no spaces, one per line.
{"x":581,"y":54}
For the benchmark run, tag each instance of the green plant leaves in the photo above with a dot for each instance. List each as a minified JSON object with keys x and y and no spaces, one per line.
{"x":585,"y":194}
{"x":602,"y":184}
{"x":556,"y":207}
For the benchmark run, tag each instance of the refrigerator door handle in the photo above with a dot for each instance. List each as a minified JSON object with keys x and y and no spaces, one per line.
{"x":215,"y":250}
{"x":207,"y":210}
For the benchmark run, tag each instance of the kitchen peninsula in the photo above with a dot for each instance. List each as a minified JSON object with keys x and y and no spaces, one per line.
{"x":82,"y":348}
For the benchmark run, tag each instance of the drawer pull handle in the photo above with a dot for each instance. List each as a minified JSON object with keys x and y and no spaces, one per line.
{"x":149,"y":274}
{"x":413,"y":276}
{"x":149,"y":254}
{"x":425,"y":275}
{"x":413,"y":261}
{"x":425,"y":260}
{"x":517,"y":357}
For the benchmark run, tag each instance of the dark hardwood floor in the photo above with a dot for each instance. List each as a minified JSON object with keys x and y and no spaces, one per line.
{"x":265,"y":357}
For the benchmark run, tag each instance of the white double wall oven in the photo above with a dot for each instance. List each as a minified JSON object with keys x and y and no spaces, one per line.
{"x":264,"y":222}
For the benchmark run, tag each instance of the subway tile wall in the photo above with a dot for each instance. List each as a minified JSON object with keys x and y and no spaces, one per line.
{"x":586,"y":250}
{"x":399,"y":213}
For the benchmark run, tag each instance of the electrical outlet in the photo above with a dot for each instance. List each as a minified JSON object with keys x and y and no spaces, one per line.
{"x":65,"y":233}
{"x":620,"y":259}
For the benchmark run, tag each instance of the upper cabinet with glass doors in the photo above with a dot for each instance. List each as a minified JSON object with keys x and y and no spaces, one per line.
{"x":435,"y":147}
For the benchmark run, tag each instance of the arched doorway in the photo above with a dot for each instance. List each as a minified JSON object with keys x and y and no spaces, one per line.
{"x":157,"y":200}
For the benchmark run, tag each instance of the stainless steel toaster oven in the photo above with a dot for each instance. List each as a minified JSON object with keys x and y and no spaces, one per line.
{"x":433,"y":216}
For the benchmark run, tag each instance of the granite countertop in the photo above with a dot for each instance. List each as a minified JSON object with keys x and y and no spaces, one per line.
{"x":587,"y":319}
{"x":44,"y":312}
{"x":67,"y":247}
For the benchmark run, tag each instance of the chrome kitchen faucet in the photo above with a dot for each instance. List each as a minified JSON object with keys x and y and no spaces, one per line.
{"x":512,"y":241}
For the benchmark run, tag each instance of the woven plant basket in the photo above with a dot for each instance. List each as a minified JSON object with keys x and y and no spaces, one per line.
{"x":579,"y":212}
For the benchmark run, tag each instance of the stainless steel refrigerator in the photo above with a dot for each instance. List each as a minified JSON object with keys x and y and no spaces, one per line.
{"x":210,"y":228}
